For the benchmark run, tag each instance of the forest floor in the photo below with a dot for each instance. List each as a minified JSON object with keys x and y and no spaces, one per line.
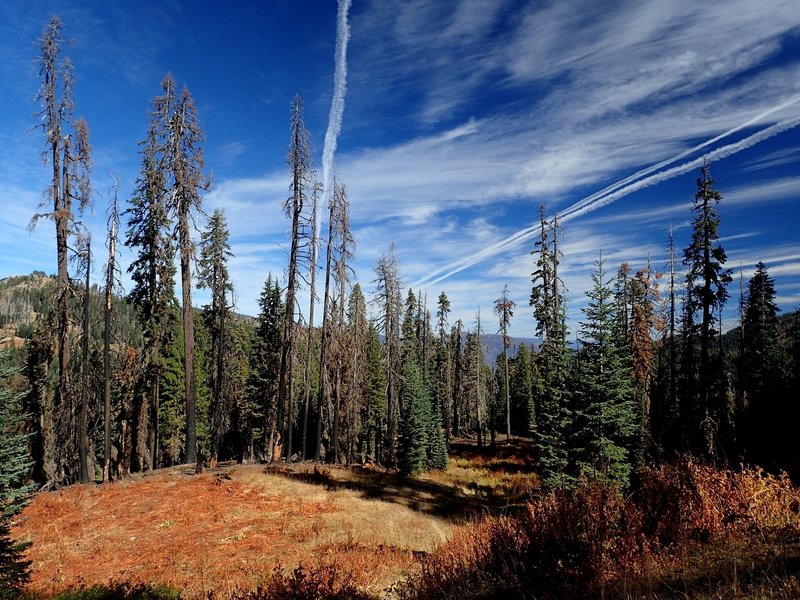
{"x":232,"y":526}
{"x":437,"y":535}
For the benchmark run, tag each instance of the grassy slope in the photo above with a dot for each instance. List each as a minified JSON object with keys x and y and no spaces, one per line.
{"x":232,"y":526}
{"x":452,"y":533}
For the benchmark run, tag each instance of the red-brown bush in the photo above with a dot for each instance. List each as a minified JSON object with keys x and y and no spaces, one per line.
{"x":576,"y":543}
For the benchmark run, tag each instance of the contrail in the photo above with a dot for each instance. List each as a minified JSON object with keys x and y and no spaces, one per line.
{"x":337,"y":102}
{"x":575,"y":211}
{"x":660,"y":165}
{"x":620,"y":189}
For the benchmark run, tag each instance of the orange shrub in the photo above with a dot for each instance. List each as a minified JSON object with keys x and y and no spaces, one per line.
{"x":576,"y":543}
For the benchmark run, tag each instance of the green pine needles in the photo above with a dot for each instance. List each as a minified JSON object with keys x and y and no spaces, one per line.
{"x":14,"y":467}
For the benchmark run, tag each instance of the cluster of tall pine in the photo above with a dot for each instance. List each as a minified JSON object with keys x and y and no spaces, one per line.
{"x":652,"y":375}
{"x":380,"y":378}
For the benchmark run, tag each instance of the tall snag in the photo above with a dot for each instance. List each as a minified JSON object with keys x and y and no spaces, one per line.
{"x":67,"y":150}
{"x":388,"y":299}
{"x":504,"y":309}
{"x":299,"y":162}
{"x":111,"y":280}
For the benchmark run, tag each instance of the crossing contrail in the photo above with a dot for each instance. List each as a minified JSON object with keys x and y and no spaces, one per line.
{"x":575,"y":211}
{"x":620,"y":189}
{"x":664,"y":163}
{"x":337,"y":102}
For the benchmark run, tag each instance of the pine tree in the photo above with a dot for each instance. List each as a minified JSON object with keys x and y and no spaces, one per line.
{"x":259,"y":416}
{"x":443,"y":386}
{"x":415,"y":420}
{"x":183,"y":162}
{"x":504,"y":309}
{"x":706,"y":282}
{"x":356,"y":338}
{"x":375,"y":392}
{"x":643,"y":298}
{"x":475,"y":385}
{"x":153,"y":274}
{"x":111,"y":272}
{"x":342,"y":257}
{"x":14,"y":491}
{"x":215,"y":251}
{"x":299,"y":162}
{"x":760,"y":374}
{"x":523,"y":417}
{"x":607,"y":425}
{"x":312,"y":268}
{"x":85,"y":257}
{"x":554,"y":415}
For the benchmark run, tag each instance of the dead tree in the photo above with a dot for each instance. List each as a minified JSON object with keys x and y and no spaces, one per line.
{"x":69,"y":154}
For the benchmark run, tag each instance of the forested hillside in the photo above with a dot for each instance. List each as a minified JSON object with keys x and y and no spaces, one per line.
{"x":110,"y":383}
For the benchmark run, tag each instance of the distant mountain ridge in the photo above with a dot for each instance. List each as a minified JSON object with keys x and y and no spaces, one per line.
{"x":23,"y":298}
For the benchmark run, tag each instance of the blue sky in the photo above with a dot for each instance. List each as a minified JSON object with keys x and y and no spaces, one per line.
{"x":460,"y":118}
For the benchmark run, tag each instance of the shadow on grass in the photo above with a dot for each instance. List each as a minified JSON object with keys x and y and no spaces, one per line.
{"x":458,"y":504}
{"x":376,"y":484}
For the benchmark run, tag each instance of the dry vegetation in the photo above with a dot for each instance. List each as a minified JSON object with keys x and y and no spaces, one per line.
{"x":475,"y":531}
{"x":217,"y":531}
{"x":685,"y":531}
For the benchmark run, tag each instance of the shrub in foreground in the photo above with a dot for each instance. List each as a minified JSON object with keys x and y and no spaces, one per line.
{"x":578,"y":544}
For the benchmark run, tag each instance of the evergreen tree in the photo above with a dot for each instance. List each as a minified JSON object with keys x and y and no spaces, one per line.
{"x":387,"y":297}
{"x":606,"y":425}
{"x":475,"y":385}
{"x":215,"y":251}
{"x":111,"y":273}
{"x":706,"y":282}
{"x":523,"y":416}
{"x":153,"y":294}
{"x":375,"y":392}
{"x":299,"y":163}
{"x":760,"y":372}
{"x":343,"y":255}
{"x":504,"y":309}
{"x":312,"y":269}
{"x":665,"y":407}
{"x":355,"y":395}
{"x":183,"y":162}
{"x":644,"y":320}
{"x":171,"y":433}
{"x":437,"y":444}
{"x":14,"y":467}
{"x":554,"y":415}
{"x":415,"y":420}
{"x":443,"y":386}
{"x":259,"y":416}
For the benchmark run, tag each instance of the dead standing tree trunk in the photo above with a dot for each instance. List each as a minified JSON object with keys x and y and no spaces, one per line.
{"x":299,"y":161}
{"x":70,"y":181}
{"x":110,"y":282}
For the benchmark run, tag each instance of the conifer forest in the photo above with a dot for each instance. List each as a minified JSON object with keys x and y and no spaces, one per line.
{"x":648,"y":451}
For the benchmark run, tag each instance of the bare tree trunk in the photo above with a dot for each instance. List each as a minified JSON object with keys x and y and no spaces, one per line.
{"x":83,"y":424}
{"x":321,"y":392}
{"x":110,"y":273}
{"x":107,"y":375}
{"x":506,"y":381}
{"x":310,"y":338}
{"x":188,"y":340}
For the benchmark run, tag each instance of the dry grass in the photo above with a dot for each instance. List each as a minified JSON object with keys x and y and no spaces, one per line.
{"x":479,"y":530}
{"x":217,"y":532}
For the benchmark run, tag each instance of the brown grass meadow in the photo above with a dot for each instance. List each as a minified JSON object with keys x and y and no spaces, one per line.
{"x":482,"y":529}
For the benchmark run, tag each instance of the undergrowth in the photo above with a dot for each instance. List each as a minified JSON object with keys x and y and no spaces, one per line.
{"x":595,"y":542}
